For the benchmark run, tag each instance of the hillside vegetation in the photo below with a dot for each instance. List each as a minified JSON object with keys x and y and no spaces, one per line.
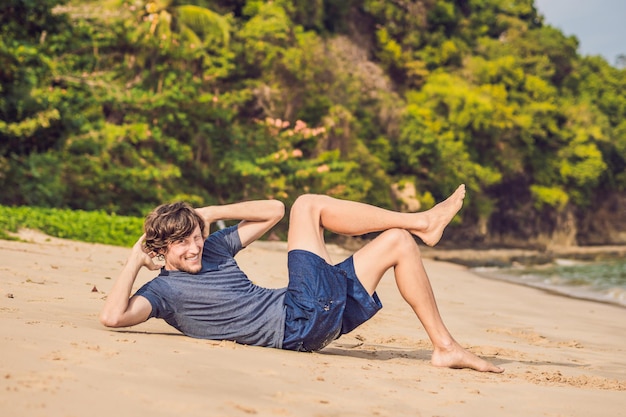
{"x":117,"y":106}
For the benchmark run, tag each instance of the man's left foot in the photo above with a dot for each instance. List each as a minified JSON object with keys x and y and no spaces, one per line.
{"x":457,"y":357}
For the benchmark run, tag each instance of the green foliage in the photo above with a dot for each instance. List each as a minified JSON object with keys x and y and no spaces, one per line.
{"x":549,"y":196}
{"x":390,"y":54}
{"x":118,"y":169}
{"x":86,"y":226}
{"x":449,"y":133}
{"x":121,"y":105}
{"x":35,"y":179}
{"x":29,"y":103}
{"x":290,"y":162}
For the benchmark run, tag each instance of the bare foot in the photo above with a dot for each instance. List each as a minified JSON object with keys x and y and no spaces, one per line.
{"x":438,"y":217}
{"x":457,"y":357}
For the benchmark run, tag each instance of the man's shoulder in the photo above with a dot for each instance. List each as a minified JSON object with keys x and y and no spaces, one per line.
{"x":224,"y":242}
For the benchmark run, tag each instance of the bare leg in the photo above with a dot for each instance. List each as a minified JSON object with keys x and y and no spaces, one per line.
{"x":396,"y":248}
{"x":311,"y":214}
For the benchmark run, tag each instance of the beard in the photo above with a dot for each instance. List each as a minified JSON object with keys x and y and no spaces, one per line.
{"x":184,"y":266}
{"x":190,"y":269}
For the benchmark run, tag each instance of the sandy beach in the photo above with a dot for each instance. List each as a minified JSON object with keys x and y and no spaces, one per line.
{"x":562,"y":356}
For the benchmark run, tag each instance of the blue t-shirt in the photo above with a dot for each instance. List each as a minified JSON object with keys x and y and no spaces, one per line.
{"x":219,"y":302}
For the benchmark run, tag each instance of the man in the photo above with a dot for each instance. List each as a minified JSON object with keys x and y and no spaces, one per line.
{"x":202,"y":292}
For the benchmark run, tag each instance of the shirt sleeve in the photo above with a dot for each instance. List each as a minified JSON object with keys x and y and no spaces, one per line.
{"x":153,"y":292}
{"x":223,"y":244}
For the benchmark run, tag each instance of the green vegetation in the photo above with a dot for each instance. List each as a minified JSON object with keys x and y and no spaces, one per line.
{"x":95,"y":227}
{"x":115,"y":106}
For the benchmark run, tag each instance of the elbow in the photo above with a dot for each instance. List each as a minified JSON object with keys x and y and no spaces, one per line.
{"x":109,"y":320}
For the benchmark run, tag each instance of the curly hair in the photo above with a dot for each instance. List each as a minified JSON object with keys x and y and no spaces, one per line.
{"x":169,"y":223}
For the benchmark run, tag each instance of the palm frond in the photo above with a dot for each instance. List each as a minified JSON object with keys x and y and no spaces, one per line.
{"x":208,"y":25}
{"x":190,"y":37}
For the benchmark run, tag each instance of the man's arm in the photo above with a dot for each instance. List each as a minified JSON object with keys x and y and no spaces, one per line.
{"x":119,"y":310}
{"x":257,"y":217}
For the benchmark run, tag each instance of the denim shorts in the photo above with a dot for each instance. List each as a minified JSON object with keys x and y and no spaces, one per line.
{"x":323,"y":301}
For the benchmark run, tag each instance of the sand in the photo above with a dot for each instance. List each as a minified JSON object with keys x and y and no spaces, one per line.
{"x":563,"y":357}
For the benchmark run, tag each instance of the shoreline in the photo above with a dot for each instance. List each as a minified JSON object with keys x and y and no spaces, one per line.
{"x":560,"y":291}
{"x":492,"y":264}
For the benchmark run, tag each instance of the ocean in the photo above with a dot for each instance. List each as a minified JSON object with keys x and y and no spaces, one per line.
{"x":602,"y":281}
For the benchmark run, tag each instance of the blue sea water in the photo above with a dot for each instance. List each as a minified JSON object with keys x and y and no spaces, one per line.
{"x":603,"y":281}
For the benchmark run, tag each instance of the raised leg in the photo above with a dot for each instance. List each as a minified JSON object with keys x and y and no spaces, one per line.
{"x":311,"y":214}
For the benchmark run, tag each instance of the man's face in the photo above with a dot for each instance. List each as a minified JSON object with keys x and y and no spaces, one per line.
{"x":185,"y":254}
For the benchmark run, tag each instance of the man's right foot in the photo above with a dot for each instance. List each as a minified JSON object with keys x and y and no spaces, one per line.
{"x":438,"y":217}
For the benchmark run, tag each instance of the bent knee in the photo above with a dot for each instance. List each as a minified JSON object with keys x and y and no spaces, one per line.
{"x":401,"y":239}
{"x":309,"y":199}
{"x":307,"y":203}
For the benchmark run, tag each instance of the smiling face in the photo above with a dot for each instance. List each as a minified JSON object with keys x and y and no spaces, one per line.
{"x":185,"y":254}
{"x":176,"y":232}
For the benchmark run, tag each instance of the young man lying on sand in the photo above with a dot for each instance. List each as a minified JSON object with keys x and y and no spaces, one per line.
{"x":202,"y":292}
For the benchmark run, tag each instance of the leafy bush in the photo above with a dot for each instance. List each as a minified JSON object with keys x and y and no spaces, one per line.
{"x":86,"y":226}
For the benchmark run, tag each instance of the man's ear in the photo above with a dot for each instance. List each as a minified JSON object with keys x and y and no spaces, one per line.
{"x":160,"y":254}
